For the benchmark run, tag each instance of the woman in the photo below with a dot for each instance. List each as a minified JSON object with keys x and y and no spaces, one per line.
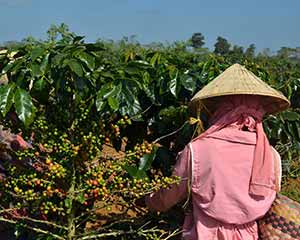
{"x":232,"y":171}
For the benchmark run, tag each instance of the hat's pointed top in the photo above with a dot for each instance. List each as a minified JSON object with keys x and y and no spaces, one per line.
{"x":237,"y":80}
{"x":236,"y":65}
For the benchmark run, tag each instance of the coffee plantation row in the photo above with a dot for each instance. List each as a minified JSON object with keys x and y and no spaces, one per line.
{"x":89,"y":128}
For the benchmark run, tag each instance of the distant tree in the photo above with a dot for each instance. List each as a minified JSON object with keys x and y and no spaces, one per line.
{"x":237,"y":50}
{"x":62,"y":31}
{"x":130,"y":39}
{"x":155,"y":45}
{"x":236,"y":54}
{"x":11,"y":44}
{"x":284,"y":52}
{"x":222,"y":46}
{"x":134,"y":39}
{"x":30,"y":40}
{"x":266,"y":52}
{"x":179,"y":45}
{"x":250,"y":51}
{"x":298,"y":52}
{"x":289,"y":53}
{"x":197,"y":40}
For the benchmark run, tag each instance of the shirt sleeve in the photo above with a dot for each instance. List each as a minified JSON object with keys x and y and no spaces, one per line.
{"x":164,"y":199}
{"x":278,"y":169}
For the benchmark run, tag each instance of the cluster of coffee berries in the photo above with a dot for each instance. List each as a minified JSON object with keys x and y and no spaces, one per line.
{"x":91,"y":144}
{"x":123,"y":122}
{"x":56,"y":170}
{"x":143,"y":148}
{"x":50,"y":207}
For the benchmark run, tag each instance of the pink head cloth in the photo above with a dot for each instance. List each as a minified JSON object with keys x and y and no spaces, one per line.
{"x":243,"y":111}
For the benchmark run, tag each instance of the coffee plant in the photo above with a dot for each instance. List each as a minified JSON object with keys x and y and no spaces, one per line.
{"x":88,"y":129}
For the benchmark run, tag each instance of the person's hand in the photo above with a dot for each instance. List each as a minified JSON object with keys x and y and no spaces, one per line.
{"x":140,"y":202}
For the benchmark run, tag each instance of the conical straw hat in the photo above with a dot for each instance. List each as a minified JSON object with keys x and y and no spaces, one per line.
{"x":237,"y":80}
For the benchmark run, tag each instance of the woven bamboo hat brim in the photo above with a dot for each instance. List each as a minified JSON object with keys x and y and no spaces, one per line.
{"x":237,"y":80}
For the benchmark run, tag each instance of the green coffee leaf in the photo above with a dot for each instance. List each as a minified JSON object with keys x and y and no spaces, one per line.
{"x":24,"y":106}
{"x":76,"y":67}
{"x":6,"y":97}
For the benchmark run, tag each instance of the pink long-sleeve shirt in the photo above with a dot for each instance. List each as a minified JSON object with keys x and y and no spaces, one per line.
{"x":222,"y":206}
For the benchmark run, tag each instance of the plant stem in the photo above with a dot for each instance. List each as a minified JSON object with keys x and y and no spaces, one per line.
{"x":71,"y":210}
{"x":170,"y":134}
{"x":118,"y":233}
{"x":38,"y":230}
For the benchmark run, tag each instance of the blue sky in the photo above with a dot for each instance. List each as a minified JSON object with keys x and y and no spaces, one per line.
{"x":267,"y":23}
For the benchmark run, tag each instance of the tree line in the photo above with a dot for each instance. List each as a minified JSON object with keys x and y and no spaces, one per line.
{"x":196,"y":42}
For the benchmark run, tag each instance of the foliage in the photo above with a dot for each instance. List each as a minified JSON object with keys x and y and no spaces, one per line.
{"x":197,"y":40}
{"x":97,"y":119}
{"x":250,"y":51}
{"x":222,"y":46}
